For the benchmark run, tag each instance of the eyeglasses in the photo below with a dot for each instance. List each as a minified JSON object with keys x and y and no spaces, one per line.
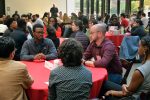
{"x":52,"y":21}
{"x":40,"y":32}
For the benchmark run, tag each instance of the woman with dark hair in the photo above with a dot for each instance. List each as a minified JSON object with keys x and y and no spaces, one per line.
{"x":78,"y":34}
{"x":72,"y":81}
{"x":53,"y":22}
{"x":52,"y":35}
{"x":140,"y":81}
{"x":138,"y":29}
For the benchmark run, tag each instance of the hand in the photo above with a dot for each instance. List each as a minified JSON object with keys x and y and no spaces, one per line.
{"x":124,"y":89}
{"x":42,"y":56}
{"x":39,"y":56}
{"x":108,"y":93}
{"x":98,"y":57}
{"x":89,"y":63}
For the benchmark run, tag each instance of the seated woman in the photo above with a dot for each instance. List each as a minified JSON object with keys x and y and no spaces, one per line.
{"x":53,"y":22}
{"x":52,"y":35}
{"x":138,"y":29}
{"x":72,"y":81}
{"x":78,"y":34}
{"x":140,"y":81}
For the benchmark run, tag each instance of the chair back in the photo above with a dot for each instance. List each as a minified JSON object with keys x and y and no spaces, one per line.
{"x":145,"y":96}
{"x":126,"y":65}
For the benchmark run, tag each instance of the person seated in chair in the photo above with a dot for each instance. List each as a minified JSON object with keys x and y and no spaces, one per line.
{"x":140,"y":81}
{"x":13,"y":74}
{"x":38,"y":48}
{"x":102,"y":53}
{"x":72,"y":81}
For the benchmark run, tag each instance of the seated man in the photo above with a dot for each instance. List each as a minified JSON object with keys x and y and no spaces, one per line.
{"x":104,"y":53}
{"x":14,"y":75}
{"x":38,"y":48}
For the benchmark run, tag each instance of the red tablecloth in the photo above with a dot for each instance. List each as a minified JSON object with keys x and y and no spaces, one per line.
{"x":116,"y":39}
{"x":40,"y":74}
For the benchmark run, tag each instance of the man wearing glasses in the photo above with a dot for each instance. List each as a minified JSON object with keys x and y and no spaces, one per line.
{"x":38,"y":48}
{"x":102,"y":53}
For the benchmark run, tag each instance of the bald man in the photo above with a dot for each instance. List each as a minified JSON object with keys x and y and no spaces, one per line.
{"x":102,"y":53}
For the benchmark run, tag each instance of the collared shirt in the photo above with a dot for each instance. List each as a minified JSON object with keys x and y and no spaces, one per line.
{"x":70,"y":83}
{"x":30,"y":48}
{"x":107,"y":52}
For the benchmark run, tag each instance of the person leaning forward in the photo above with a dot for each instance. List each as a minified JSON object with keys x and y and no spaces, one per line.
{"x":38,"y":48}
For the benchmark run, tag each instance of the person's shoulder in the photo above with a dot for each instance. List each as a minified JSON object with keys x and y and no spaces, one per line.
{"x":107,"y":42}
{"x":18,"y":64}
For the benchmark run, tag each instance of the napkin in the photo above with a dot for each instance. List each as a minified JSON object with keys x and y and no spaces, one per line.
{"x":49,"y":65}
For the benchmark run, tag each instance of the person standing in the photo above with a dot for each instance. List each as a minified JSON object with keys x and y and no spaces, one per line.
{"x":54,"y":11}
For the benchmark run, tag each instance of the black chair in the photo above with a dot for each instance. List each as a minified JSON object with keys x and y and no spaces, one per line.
{"x":126,"y":65}
{"x":145,"y":96}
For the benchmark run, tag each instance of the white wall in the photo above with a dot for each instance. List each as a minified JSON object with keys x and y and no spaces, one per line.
{"x":33,"y":6}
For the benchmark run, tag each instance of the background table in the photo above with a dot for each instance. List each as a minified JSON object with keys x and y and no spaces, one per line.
{"x":116,"y":39}
{"x":40,"y":74}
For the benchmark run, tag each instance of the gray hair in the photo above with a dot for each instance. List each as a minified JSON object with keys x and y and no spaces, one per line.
{"x":101,"y":27}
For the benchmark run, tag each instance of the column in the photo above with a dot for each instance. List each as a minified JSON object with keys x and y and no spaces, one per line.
{"x":87,"y":8}
{"x":97,"y":8}
{"x":108,"y":6}
{"x":118,"y":7}
{"x":81,"y":5}
{"x":128,"y":7}
{"x":103,"y":8}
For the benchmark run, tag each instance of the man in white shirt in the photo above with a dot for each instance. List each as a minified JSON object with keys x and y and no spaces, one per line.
{"x":3,"y":27}
{"x":144,"y":20}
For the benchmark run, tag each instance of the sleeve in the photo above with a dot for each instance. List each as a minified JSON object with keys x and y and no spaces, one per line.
{"x":142,"y":71}
{"x":51,"y":87}
{"x":109,"y":51}
{"x":88,"y":53}
{"x":52,"y":54}
{"x":27,"y":79}
{"x":24,"y":55}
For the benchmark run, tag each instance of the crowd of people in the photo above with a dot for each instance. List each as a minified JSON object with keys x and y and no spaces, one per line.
{"x":29,"y":37}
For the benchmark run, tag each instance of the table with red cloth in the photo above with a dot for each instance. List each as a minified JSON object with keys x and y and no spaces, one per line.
{"x":116,"y":39}
{"x":40,"y":74}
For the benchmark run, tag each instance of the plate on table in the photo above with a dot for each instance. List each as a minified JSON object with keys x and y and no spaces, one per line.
{"x":42,"y":60}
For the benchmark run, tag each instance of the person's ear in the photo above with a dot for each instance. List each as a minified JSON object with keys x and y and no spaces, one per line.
{"x":77,"y":28}
{"x":11,"y":56}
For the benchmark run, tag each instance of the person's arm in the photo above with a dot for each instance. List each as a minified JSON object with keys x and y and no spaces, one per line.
{"x":27,"y":80}
{"x":24,"y":55}
{"x":88,"y":53}
{"x":52,"y":53}
{"x":108,"y":54}
{"x":136,"y":81}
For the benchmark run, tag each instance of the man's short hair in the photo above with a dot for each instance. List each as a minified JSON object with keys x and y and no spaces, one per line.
{"x":37,"y":26}
{"x":123,"y":15}
{"x":7,"y":46}
{"x":9,"y":21}
{"x":70,"y":52}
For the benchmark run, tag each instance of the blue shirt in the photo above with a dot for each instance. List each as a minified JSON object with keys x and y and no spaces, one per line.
{"x":30,"y":48}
